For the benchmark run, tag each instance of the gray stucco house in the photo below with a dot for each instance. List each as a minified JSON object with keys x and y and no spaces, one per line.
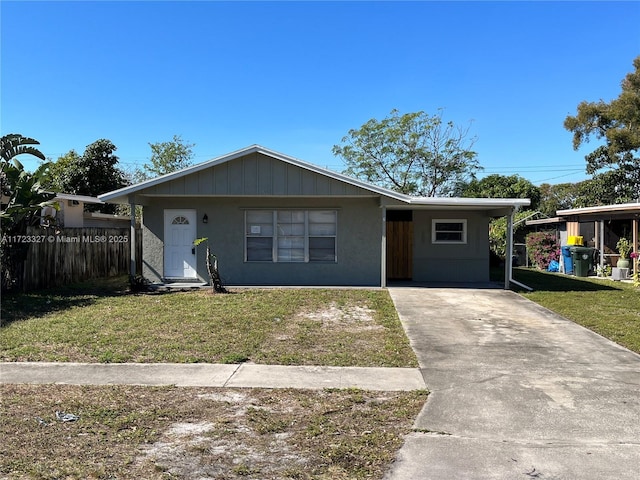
{"x":275,"y":220}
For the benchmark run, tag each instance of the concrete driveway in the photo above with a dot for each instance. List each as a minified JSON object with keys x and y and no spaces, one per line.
{"x":517,"y":392}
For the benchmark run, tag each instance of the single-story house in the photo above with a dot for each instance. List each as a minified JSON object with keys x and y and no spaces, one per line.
{"x":272,"y":219}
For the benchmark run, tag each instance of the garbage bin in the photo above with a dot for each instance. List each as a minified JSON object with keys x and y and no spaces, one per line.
{"x":582,"y":260}
{"x":566,"y":257}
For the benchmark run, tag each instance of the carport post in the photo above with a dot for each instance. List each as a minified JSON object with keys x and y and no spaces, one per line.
{"x":601,"y":245}
{"x":132,"y":239}
{"x":383,"y":253}
{"x":508,"y":260}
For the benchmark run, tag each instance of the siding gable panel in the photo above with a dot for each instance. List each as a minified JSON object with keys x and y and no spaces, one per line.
{"x":234,"y":180}
{"x":278,"y":178}
{"x":256,"y":175}
{"x":309,"y":182}
{"x":250,"y":175}
{"x":265,"y":177}
{"x":205,"y":180}
{"x":220,"y":175}
{"x":294,"y":180}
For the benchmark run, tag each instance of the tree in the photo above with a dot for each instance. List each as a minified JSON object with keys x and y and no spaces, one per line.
{"x":14,"y":144}
{"x":502,"y":186}
{"x":166,"y":157}
{"x":92,"y":173}
{"x":556,"y":197}
{"x":23,"y":193}
{"x":606,"y":188}
{"x":23,"y":196}
{"x":498,"y":232}
{"x":615,"y":164}
{"x":414,"y":154}
{"x":61,"y":170}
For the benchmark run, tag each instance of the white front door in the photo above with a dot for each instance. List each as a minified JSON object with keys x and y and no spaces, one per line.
{"x":179,"y":251}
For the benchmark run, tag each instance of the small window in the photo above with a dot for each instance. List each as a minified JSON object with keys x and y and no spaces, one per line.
{"x":449,"y":231}
{"x":180,"y":220}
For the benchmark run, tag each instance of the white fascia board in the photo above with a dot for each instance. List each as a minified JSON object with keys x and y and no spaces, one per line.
{"x":622,"y":207}
{"x":545,"y":221}
{"x":464,"y":202}
{"x":80,"y":198}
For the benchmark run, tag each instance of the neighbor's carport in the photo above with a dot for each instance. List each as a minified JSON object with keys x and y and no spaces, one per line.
{"x":601,"y":215}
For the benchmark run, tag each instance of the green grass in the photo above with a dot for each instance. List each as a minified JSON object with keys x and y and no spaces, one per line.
{"x":609,"y":308}
{"x":102,"y":322}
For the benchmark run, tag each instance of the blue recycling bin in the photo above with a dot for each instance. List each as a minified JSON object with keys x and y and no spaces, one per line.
{"x":568,"y":260}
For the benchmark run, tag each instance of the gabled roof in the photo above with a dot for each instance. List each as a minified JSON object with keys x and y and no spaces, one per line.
{"x":122,"y":195}
{"x":117,"y":195}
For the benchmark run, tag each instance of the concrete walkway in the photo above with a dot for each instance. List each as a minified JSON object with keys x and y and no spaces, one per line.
{"x":213,"y":375}
{"x":517,"y":392}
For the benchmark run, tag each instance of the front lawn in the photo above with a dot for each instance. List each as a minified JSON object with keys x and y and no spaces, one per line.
{"x":102,"y":322}
{"x":609,"y":308}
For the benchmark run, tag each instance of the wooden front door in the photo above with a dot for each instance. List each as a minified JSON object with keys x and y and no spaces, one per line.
{"x":399,"y":248}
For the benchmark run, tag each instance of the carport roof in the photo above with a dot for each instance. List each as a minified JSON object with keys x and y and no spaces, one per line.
{"x":603,"y":212}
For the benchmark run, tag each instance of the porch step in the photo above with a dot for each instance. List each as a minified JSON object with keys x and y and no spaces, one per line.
{"x":186,"y":284}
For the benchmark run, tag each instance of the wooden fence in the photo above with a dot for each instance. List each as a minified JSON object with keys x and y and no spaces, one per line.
{"x":71,"y":255}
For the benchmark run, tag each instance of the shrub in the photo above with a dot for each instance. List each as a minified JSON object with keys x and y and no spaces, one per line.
{"x":542,"y":248}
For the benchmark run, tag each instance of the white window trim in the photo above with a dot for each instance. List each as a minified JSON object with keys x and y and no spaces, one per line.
{"x":435,"y":221}
{"x":274,"y":237}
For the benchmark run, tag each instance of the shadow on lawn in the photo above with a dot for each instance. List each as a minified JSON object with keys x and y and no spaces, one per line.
{"x":19,"y":306}
{"x":558,"y":282}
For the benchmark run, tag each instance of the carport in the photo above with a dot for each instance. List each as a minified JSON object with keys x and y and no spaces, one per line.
{"x":434,"y":240}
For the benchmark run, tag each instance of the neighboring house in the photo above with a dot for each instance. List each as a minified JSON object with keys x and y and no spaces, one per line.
{"x":601,"y":227}
{"x":556,"y":224}
{"x":70,"y":213}
{"x":272,"y":219}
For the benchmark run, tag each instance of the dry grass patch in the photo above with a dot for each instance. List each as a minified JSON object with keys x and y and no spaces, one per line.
{"x":94,"y":323}
{"x":192,"y":433}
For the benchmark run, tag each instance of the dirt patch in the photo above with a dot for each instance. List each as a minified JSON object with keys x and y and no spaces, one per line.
{"x":201,"y":433}
{"x":349,"y":318}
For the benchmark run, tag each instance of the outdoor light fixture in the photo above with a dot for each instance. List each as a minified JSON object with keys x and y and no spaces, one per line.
{"x":205,"y":219}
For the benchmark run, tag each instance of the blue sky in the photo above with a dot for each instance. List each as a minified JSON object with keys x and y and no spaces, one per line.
{"x":296,"y":76}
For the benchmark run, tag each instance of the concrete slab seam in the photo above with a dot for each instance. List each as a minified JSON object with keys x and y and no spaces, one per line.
{"x":232,"y":375}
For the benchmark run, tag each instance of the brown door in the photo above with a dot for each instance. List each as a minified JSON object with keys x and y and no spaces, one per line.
{"x":399,"y":249}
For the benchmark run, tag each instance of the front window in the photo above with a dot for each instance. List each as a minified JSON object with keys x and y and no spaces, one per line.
{"x":290,"y":235}
{"x":449,"y":231}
